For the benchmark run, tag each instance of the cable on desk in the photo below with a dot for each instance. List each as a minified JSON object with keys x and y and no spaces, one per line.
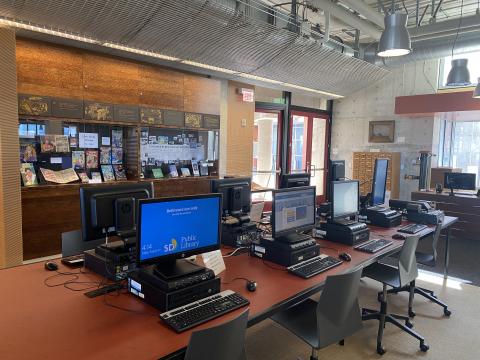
{"x":235,"y":251}
{"x":273,"y":267}
{"x":329,"y":248}
{"x":234,"y":279}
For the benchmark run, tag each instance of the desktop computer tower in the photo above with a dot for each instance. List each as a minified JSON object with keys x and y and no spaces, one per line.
{"x":147,"y":290}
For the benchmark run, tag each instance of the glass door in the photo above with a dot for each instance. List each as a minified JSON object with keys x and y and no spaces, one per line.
{"x":308,"y":147}
{"x":266,"y":139}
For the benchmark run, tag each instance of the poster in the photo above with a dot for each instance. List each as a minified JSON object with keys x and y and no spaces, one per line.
{"x":88,"y":140}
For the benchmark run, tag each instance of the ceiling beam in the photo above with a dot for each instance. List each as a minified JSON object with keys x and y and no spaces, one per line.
{"x":346,"y":16}
{"x":365,"y":10}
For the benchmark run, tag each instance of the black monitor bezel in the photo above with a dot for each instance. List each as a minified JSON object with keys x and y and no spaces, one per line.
{"x":375,"y":173}
{"x":332,"y":199}
{"x":172,"y":257}
{"x":285,"y":178}
{"x":472,"y":175}
{"x":275,"y":233}
{"x":218,"y":185}
{"x":86,"y":194}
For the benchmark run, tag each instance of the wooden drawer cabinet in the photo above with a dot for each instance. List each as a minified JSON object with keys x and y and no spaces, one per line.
{"x":364,"y":166}
{"x":466,"y":208}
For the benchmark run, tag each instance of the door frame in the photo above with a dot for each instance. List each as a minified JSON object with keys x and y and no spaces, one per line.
{"x":311,"y":114}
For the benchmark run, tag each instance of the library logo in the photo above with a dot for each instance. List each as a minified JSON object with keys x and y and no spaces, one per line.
{"x":170,"y":247}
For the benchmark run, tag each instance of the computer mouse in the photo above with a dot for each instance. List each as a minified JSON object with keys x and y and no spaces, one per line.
{"x":51,"y":266}
{"x":399,"y":237}
{"x":251,"y":285}
{"x":345,"y":256}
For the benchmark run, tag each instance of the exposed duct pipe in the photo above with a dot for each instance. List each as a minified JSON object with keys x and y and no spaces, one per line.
{"x":365,"y":10}
{"x":428,"y":50}
{"x":349,"y":18}
{"x":445,"y":26}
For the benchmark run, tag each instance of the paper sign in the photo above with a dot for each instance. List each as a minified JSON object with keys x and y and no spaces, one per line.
{"x":105,"y":141}
{"x":88,"y":140}
{"x":55,"y":160}
{"x":214,"y":261}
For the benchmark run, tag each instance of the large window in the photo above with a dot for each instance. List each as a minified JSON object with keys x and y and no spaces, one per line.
{"x":460,"y":142}
{"x":265,"y":150}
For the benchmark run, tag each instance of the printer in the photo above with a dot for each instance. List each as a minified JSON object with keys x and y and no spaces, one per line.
{"x":419,"y":211}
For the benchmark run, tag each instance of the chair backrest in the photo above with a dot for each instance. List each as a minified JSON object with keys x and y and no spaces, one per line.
{"x":226,"y":341}
{"x":436,"y":238}
{"x":338,"y":311}
{"x":407,"y":262}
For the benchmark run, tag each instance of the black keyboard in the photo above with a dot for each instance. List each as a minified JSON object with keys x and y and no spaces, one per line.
{"x":412,"y":228}
{"x":374,"y":245}
{"x":199,"y":312}
{"x":308,"y":268}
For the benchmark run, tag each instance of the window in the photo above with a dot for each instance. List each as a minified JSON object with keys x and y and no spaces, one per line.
{"x":265,"y":152}
{"x":473,"y":68}
{"x":459,"y":145}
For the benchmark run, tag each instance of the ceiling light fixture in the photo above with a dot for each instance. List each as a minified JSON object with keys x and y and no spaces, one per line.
{"x":395,"y":39}
{"x":35,"y":28}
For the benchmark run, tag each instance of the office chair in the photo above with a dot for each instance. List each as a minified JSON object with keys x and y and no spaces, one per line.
{"x":395,"y":277}
{"x":226,"y":341}
{"x":427,"y":259}
{"x":336,"y":316}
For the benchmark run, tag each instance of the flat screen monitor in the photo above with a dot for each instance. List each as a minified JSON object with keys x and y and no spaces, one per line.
{"x":178,"y":227}
{"x":236,"y":194}
{"x":460,"y":181}
{"x":107,"y":208}
{"x":379,"y":183}
{"x":294,"y":180}
{"x":344,"y":198}
{"x":293,"y":210}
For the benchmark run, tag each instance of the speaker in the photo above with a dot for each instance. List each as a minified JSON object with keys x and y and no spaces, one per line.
{"x":125,"y":214}
{"x":337,"y":168}
{"x":439,"y":188}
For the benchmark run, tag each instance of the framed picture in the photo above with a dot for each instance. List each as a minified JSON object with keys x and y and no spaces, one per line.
{"x":381,"y":131}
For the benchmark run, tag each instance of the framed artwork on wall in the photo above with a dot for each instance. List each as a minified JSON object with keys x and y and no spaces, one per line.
{"x":381,"y":131}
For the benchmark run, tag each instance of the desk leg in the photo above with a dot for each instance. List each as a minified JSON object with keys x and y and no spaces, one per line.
{"x":447,"y":254}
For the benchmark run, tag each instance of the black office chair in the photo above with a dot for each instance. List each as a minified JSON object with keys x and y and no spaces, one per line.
{"x":336,"y":316}
{"x":226,"y":341}
{"x":396,"y":277}
{"x":427,"y":259}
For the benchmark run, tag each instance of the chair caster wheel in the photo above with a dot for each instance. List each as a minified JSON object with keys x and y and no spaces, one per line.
{"x":409,"y":324}
{"x":381,"y":350}
{"x":424,"y":347}
{"x":411,"y":313}
{"x":447,"y":312}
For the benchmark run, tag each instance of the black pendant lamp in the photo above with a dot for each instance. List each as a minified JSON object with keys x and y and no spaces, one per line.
{"x":459,"y":74}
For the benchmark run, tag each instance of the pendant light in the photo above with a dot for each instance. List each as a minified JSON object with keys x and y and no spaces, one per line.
{"x":459,"y":74}
{"x":395,"y":39}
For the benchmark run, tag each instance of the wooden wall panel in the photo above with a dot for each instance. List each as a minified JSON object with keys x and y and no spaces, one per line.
{"x":240,"y":138}
{"x":49,"y":70}
{"x":161,"y":87}
{"x":10,"y":203}
{"x":201,"y":95}
{"x":110,"y":79}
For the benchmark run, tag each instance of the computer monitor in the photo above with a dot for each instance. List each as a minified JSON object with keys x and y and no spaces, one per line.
{"x":236,"y":193}
{"x":294,"y":180}
{"x":344,"y":198}
{"x":460,"y":181}
{"x":170,"y":229}
{"x":293,"y":211}
{"x":111,"y":209}
{"x":379,"y":183}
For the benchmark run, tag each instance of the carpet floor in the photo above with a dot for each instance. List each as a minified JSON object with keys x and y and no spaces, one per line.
{"x":449,"y":338}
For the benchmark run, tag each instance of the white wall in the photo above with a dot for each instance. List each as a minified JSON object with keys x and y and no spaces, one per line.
{"x":351,"y":117}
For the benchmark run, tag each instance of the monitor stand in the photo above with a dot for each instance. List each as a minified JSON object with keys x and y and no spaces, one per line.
{"x":451,"y":192}
{"x":176,"y":269}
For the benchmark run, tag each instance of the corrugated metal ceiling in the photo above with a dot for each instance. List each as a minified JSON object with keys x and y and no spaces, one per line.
{"x":207,"y":32}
